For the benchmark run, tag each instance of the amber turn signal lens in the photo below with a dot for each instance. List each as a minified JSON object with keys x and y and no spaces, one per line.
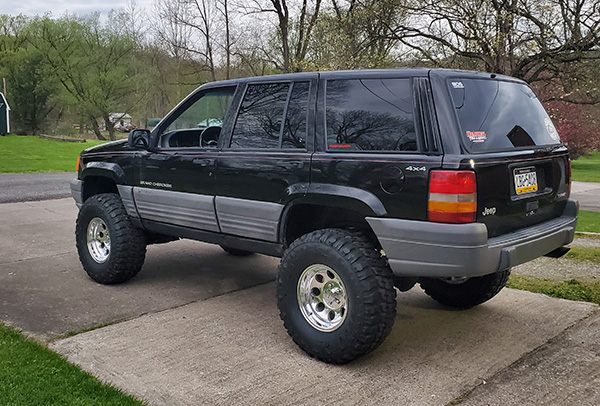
{"x":452,"y":197}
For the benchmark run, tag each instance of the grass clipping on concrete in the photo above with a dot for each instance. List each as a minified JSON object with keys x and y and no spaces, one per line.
{"x":31,"y":374}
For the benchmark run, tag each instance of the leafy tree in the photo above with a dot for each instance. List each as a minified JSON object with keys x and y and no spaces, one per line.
{"x":528,"y":39}
{"x":95,"y":63}
{"x":354,"y":34}
{"x":30,"y":86}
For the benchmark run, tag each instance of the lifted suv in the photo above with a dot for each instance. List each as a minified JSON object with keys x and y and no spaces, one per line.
{"x":360,"y":181}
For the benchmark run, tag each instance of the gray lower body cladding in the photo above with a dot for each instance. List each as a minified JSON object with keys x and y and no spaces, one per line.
{"x":418,"y":248}
{"x":77,"y":191}
{"x":179,"y":208}
{"x":238,"y":217}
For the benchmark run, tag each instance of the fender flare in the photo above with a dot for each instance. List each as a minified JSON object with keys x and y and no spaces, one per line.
{"x":105,"y":170}
{"x":346,"y":197}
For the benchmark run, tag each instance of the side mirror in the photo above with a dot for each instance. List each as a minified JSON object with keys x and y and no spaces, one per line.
{"x":139,"y":138}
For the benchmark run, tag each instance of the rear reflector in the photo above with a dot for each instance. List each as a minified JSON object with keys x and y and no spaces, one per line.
{"x":452,"y":197}
{"x":569,"y":179}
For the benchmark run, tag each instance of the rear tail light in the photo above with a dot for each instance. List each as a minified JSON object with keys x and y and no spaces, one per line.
{"x":452,"y":197}
{"x":569,"y":179}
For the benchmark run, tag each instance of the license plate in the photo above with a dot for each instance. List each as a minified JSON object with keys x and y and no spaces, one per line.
{"x":525,"y":180}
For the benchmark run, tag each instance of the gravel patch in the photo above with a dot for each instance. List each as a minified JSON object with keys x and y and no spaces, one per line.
{"x":588,"y":242}
{"x":559,"y":269}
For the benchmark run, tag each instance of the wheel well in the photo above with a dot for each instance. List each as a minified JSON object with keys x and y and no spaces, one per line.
{"x":305,"y":218}
{"x":94,"y":185}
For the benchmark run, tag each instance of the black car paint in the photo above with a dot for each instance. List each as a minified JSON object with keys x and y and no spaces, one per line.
{"x":399,"y":181}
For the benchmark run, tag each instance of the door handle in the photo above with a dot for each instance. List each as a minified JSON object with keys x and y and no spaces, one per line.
{"x":203,"y":162}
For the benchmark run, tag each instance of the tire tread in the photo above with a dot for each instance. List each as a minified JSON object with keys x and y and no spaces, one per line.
{"x":379,"y":296}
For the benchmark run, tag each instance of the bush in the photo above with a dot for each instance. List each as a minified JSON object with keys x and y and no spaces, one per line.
{"x":577,"y":126}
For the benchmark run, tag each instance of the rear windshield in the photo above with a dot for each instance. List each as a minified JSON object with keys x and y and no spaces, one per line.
{"x":498,"y":115}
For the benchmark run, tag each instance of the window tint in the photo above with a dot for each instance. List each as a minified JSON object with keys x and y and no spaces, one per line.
{"x":500,"y":115}
{"x":294,"y":132}
{"x":259,"y":121}
{"x":206,"y":113}
{"x":370,"y":114}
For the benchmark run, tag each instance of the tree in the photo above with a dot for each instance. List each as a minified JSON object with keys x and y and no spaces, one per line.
{"x":293,"y":33}
{"x":30,"y":85}
{"x":94,"y":62}
{"x":354,"y":34}
{"x":528,"y":39}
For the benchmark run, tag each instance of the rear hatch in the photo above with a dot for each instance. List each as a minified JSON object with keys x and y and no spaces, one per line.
{"x":521,"y":166}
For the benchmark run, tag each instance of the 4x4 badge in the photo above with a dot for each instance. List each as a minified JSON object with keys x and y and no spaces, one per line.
{"x":415,"y":168}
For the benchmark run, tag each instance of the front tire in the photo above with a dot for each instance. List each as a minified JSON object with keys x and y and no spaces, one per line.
{"x":111,"y":249}
{"x":335,"y":295}
{"x":467,"y":293}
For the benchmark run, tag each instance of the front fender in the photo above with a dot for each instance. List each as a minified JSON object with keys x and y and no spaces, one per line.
{"x":104,"y":169}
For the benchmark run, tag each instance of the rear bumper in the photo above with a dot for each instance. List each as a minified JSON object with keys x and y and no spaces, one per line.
{"x":419,"y":248}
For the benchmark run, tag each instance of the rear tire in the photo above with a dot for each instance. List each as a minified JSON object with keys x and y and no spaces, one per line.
{"x":465,"y":294}
{"x":111,"y":249}
{"x":336,"y":295}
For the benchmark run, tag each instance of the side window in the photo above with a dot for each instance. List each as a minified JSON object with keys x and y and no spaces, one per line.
{"x":294,"y":132}
{"x":200,"y":124}
{"x":370,"y":115}
{"x":261,"y":123}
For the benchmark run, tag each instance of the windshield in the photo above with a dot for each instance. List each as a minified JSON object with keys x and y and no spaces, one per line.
{"x":498,"y":115}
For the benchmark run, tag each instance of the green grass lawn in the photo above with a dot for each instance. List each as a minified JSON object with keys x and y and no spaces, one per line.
{"x":31,"y":374}
{"x":588,"y":221}
{"x":587,"y":168}
{"x":572,"y":290}
{"x":33,"y":154}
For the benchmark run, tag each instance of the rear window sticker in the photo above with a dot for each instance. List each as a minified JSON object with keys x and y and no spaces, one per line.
{"x":551,"y":129}
{"x":477,"y":136}
{"x":458,"y":85}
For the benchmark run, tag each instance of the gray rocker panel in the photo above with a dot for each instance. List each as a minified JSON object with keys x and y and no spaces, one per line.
{"x":249,"y":218}
{"x":184,"y":209}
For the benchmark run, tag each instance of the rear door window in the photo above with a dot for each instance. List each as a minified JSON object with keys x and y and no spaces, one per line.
{"x":497,"y":115}
{"x":272,"y":116}
{"x":370,"y":115}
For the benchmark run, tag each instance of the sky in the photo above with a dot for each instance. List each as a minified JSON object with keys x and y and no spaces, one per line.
{"x":60,"y":7}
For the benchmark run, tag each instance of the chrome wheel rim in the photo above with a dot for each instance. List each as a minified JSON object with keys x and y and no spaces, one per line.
{"x":322,"y":298}
{"x":98,"y":240}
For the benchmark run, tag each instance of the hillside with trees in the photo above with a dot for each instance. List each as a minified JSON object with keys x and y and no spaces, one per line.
{"x":69,"y":73}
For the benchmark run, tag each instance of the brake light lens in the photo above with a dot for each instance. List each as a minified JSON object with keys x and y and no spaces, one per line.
{"x":452,"y":197}
{"x":569,"y":179}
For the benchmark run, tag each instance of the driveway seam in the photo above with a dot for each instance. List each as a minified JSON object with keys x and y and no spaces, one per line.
{"x":465,"y":395}
{"x":57,"y":339}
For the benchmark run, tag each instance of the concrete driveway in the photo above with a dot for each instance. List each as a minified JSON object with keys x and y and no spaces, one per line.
{"x":198,"y":326}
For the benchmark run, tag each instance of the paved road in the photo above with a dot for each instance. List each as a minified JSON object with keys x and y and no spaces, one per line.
{"x":198,"y":326}
{"x":22,"y":187}
{"x":588,"y":195}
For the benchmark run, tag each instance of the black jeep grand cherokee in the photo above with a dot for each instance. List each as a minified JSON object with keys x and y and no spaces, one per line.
{"x":360,"y":181}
